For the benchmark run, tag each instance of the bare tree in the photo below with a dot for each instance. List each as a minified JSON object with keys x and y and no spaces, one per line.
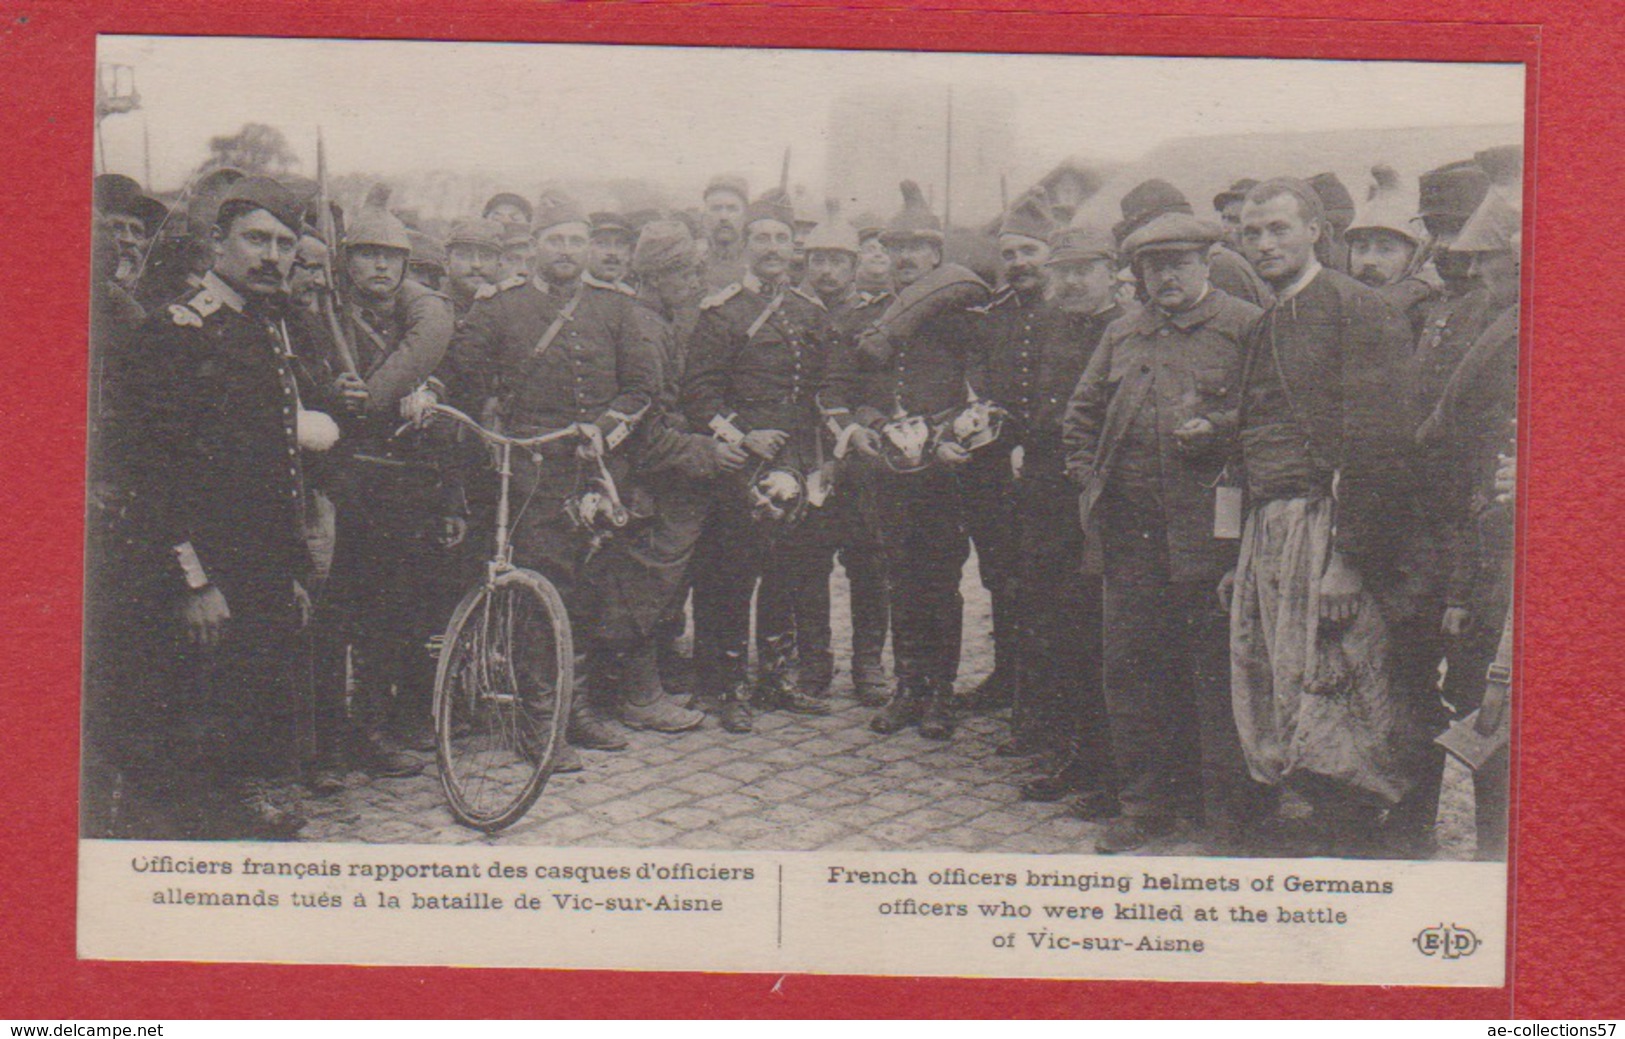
{"x":256,"y":148}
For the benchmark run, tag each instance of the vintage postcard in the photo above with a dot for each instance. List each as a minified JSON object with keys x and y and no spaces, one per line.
{"x":761,"y":510}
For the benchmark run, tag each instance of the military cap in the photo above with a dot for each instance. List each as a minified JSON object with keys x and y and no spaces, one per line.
{"x":1172,"y":232}
{"x":833,"y":235}
{"x":508,"y":198}
{"x":1236,"y":192}
{"x":379,"y":228}
{"x":426,"y":249}
{"x":556,"y":211}
{"x":1081,"y":243}
{"x":729,"y":182}
{"x":664,"y":245}
{"x":265,"y":193}
{"x":1449,"y":194}
{"x":1030,"y":217}
{"x":1145,"y":202}
{"x":1335,"y":200}
{"x":772,"y":206}
{"x":603,"y":221}
{"x":1390,"y":206}
{"x":1493,"y":227}
{"x":478,"y":231}
{"x":915,"y":220}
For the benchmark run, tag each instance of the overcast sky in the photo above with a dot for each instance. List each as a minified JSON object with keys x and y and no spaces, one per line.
{"x":676,"y":115}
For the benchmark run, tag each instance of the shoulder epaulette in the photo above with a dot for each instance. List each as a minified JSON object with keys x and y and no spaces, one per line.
{"x":619,"y":287}
{"x":999,"y":299}
{"x":721,"y":296}
{"x":206,"y":302}
{"x":485,"y":291}
{"x":872,"y":299}
{"x":810,"y":297}
{"x":185,"y":316}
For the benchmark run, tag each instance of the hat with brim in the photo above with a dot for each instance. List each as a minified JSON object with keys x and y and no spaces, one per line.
{"x":771,"y":207}
{"x":558,"y":211}
{"x":730,"y":183}
{"x":1172,"y":232}
{"x":1236,"y":192}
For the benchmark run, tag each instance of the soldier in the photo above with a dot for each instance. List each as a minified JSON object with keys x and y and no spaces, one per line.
{"x":1227,"y":204}
{"x":1228,"y":269}
{"x":991,"y":517}
{"x":514,"y":261}
{"x":874,"y":266}
{"x":609,"y":249}
{"x":912,"y":366}
{"x":545,"y":354}
{"x":1323,"y":445}
{"x":1464,"y":374}
{"x":759,"y":359}
{"x":832,"y":252}
{"x":400,"y":511}
{"x":473,"y":258}
{"x":1385,"y":246}
{"x":1147,"y":435}
{"x":1058,"y":607}
{"x":1471,"y":424}
{"x":216,"y":429}
{"x":676,"y":466}
{"x":427,"y":263}
{"x":1338,"y":206}
{"x":725,"y":198}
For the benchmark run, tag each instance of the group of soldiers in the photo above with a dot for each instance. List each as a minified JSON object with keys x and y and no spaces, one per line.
{"x":1231,"y":480}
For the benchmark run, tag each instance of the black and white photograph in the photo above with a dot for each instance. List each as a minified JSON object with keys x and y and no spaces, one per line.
{"x":541,"y":446}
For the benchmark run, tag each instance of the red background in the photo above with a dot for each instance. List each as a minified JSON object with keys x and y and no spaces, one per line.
{"x":1567,"y":890}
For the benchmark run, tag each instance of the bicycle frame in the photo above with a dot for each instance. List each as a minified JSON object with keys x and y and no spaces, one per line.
{"x":501,"y":560}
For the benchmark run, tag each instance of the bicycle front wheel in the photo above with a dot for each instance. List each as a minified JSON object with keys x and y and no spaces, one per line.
{"x":502,"y":698}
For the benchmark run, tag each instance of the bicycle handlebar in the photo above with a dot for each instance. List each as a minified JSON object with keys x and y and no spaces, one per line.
{"x":493,"y":437}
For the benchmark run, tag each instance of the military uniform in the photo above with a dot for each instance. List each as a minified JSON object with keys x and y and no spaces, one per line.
{"x":1149,"y":502}
{"x":759,"y":359}
{"x":393,"y":585}
{"x":923,"y":372}
{"x":855,"y":524}
{"x":543,"y":357}
{"x":210,"y":427}
{"x":1036,"y":354}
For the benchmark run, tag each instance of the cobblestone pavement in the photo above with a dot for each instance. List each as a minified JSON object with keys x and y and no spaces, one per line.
{"x":796,"y":784}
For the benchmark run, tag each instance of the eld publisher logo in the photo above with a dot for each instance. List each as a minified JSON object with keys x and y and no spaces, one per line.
{"x":1451,"y":943}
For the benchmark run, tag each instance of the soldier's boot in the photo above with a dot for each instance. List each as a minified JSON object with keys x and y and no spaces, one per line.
{"x":901,"y":711}
{"x":566,"y":759}
{"x":780,"y":689}
{"x":869,"y":683}
{"x":814,"y":673}
{"x":645,"y":705}
{"x":588,"y":728}
{"x":733,"y":709}
{"x":937,"y":720}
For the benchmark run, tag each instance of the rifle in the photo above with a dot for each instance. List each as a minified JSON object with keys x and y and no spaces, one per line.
{"x":331,"y":302}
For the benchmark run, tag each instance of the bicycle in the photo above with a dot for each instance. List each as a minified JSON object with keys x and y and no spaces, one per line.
{"x":505,"y":675}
